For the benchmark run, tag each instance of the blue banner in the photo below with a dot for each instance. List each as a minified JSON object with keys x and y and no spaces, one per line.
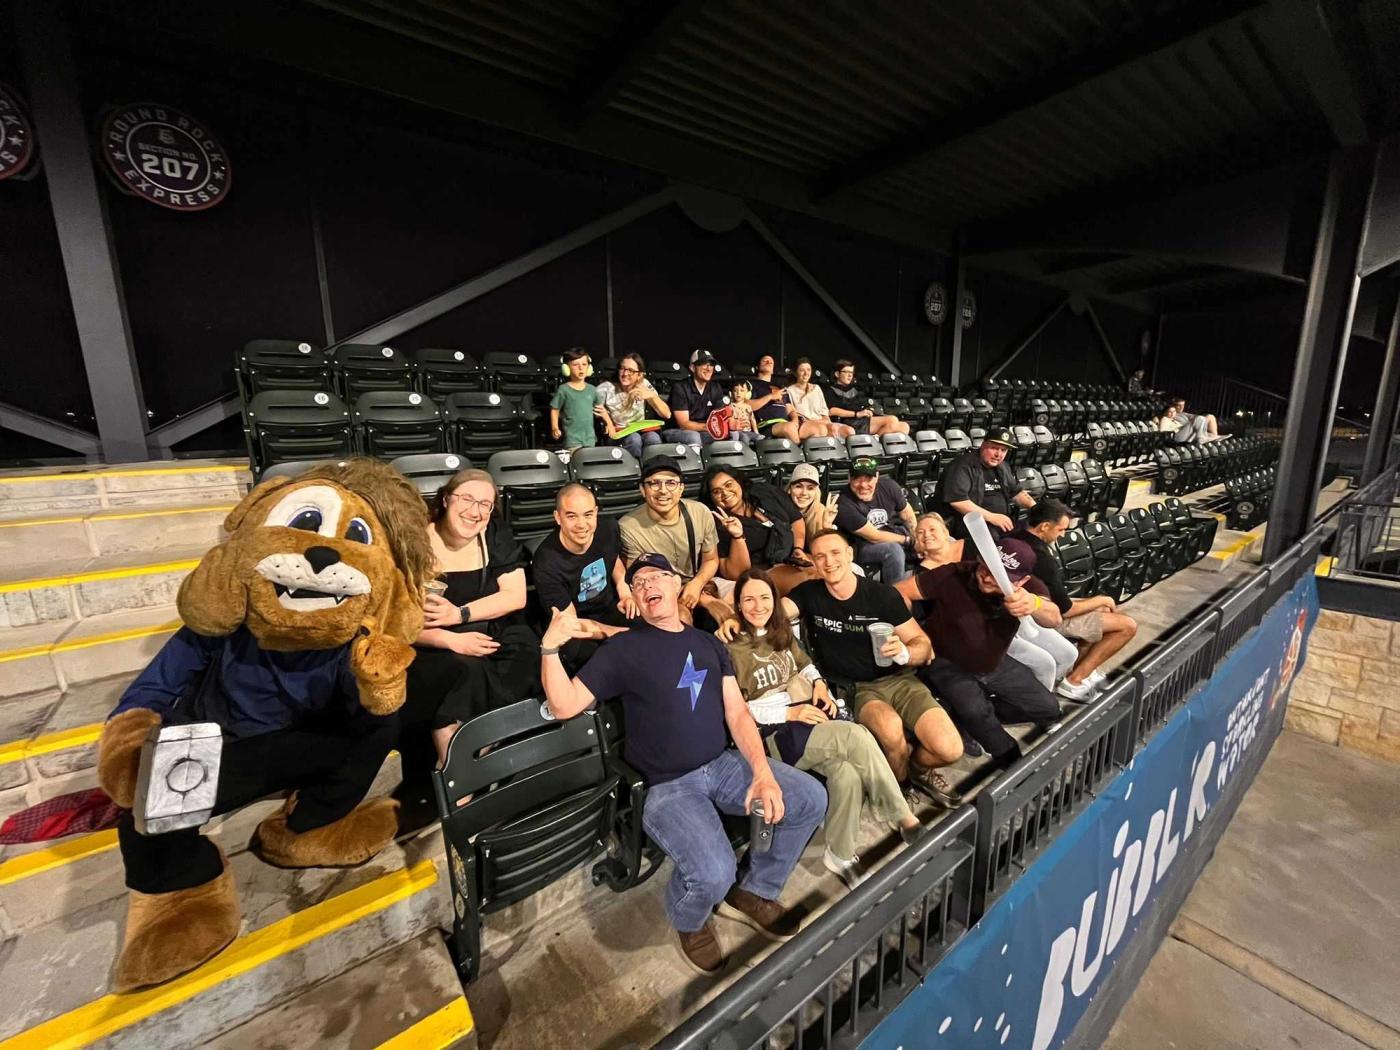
{"x":1025,"y":974}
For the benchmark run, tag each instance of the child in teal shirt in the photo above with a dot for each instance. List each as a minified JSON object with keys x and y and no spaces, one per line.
{"x":571,"y":410}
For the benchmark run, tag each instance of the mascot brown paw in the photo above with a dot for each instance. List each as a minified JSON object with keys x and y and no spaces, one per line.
{"x":119,"y":753}
{"x":351,"y":840}
{"x":168,"y":934}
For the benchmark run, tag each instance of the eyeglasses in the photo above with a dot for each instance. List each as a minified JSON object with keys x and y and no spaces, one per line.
{"x":629,"y":371}
{"x":658,"y":484}
{"x":486,"y":506}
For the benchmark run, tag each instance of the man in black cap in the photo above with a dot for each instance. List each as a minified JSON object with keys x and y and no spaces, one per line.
{"x":982,"y":480}
{"x":693,"y":400}
{"x":875,"y":514}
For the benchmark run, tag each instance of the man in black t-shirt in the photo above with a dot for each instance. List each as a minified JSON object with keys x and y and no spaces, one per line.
{"x":874,"y":512}
{"x":849,"y":405}
{"x":890,"y":701}
{"x":581,"y":564}
{"x":982,"y":480}
{"x":692,"y":400}
{"x":771,"y":408}
{"x":679,"y":696}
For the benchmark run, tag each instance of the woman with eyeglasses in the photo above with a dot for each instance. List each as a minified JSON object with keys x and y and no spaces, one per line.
{"x":476,"y":651}
{"x":628,"y":404}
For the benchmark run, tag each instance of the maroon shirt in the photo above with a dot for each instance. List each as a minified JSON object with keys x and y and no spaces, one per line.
{"x":970,"y":628}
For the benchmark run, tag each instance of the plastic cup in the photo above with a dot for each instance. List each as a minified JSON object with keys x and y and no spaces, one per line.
{"x":435,"y":587}
{"x":880,"y":633}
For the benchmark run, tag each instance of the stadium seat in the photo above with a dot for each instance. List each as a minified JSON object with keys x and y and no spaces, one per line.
{"x":976,"y":435}
{"x":931,"y":444}
{"x":735,"y":455}
{"x":1044,"y":444}
{"x":1201,"y":527}
{"x":1099,"y":483}
{"x":390,"y":423}
{"x":1031,"y":480}
{"x":1135,"y":565}
{"x":1024,"y":454}
{"x":528,"y":480}
{"x":293,"y":468}
{"x":663,"y":373}
{"x":1080,"y":498}
{"x":778,"y":456}
{"x":283,"y":425}
{"x":1056,"y":481}
{"x":480,"y":423}
{"x":829,"y":455}
{"x":912,"y":467}
{"x":439,"y":373}
{"x":524,"y":800}
{"x":962,"y":414}
{"x":1183,"y":543}
{"x":611,"y":473}
{"x":281,"y":364}
{"x":687,"y":461}
{"x":1109,"y":568}
{"x":1077,"y":563}
{"x":940,"y":413}
{"x":1161,"y":551}
{"x":431,"y":471}
{"x":362,"y":367}
{"x":517,"y":376}
{"x":919,"y":411}
{"x":958,"y":443}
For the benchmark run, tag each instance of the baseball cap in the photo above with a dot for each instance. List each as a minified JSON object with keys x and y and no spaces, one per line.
{"x":805,"y":472}
{"x":702,"y":357}
{"x":865,"y":467}
{"x":648,"y":561}
{"x":1017,"y":558}
{"x":659,"y":465}
{"x":999,"y":436}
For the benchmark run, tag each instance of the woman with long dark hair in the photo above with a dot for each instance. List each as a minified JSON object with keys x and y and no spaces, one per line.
{"x":795,"y":713}
{"x":773,"y":529}
{"x":626,"y":402}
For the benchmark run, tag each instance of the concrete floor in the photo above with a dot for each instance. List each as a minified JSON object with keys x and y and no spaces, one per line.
{"x":1291,"y":938}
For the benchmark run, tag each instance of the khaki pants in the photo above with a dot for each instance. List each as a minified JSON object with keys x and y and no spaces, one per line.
{"x":855,"y":769}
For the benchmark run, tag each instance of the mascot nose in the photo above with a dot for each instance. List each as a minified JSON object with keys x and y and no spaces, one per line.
{"x":320,"y":557}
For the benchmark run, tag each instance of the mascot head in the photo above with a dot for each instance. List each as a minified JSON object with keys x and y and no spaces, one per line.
{"x":313,"y":561}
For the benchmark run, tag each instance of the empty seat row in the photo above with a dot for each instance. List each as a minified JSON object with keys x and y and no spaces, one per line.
{"x":1183,"y":468}
{"x":1124,"y":442}
{"x":1249,"y":498}
{"x":1128,"y":553}
{"x":1084,"y":485}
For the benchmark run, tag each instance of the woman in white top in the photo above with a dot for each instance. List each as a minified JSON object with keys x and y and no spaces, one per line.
{"x":814,"y":418}
{"x":625,"y":404}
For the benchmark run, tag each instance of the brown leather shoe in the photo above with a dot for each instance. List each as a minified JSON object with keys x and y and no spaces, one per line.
{"x":702,"y":951}
{"x":767,"y":917}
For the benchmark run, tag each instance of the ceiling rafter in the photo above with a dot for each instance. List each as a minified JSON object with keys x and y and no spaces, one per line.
{"x":622,"y":58}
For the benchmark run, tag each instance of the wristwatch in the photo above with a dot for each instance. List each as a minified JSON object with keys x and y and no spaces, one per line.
{"x":549,"y":651}
{"x":466,"y":612}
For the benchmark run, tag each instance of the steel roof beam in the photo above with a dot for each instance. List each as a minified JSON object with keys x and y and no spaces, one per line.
{"x":623,"y":57}
{"x":1306,"y":37}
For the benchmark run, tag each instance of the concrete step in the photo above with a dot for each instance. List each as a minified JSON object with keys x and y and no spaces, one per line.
{"x":82,"y":490}
{"x":301,"y":929}
{"x":179,"y":525}
{"x":59,"y":654}
{"x":76,"y":588}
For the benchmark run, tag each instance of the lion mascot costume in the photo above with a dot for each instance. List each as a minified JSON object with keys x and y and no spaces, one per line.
{"x":298,"y":631}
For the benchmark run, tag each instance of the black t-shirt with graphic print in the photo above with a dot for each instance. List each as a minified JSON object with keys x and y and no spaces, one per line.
{"x":882,"y":511}
{"x":968,"y":478}
{"x":836,"y":632}
{"x":561,"y":576}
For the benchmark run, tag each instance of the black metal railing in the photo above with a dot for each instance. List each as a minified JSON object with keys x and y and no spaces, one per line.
{"x":1367,"y":544}
{"x":855,"y":962}
{"x":1171,"y":673}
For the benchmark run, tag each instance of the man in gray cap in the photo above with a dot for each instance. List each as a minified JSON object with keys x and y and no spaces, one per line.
{"x":982,"y":480}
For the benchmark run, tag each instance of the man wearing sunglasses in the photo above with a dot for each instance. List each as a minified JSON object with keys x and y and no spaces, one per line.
{"x":873,"y":511}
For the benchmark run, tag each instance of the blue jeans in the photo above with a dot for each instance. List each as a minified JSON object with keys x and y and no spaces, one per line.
{"x":680,"y":816}
{"x":634,"y":443}
{"x":887,"y":557}
{"x":699,"y":437}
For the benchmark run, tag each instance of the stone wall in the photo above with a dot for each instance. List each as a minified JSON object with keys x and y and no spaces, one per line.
{"x":1348,"y":692}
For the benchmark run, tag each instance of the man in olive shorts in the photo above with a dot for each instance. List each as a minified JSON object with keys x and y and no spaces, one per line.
{"x":837,"y":611}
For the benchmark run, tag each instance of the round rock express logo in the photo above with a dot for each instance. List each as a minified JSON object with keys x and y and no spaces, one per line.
{"x":16,"y":135}
{"x":165,"y":156}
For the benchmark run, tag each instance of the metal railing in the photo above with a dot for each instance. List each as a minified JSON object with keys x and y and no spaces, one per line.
{"x":1367,"y":543}
{"x":1241,"y":404}
{"x":830,"y":985}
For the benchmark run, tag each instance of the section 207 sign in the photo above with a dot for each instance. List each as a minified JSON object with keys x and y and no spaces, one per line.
{"x":164,"y":156}
{"x":1024,"y":976}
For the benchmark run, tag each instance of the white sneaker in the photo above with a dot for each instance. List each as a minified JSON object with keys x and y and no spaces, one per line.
{"x":849,"y":871}
{"x":1096,"y":679}
{"x":1080,"y":692}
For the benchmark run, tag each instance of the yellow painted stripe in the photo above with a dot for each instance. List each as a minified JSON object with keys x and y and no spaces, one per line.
{"x":1324,"y":567}
{"x":144,"y":472}
{"x":166,"y":512}
{"x":42,"y":860}
{"x":111,"y":1013}
{"x":78,"y":736}
{"x":99,"y":574}
{"x":1238,"y":545}
{"x":88,"y":642}
{"x":438,"y":1030}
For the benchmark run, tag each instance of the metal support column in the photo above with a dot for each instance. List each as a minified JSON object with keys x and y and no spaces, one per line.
{"x":955,"y":370}
{"x":84,"y":237}
{"x":1383,"y":416}
{"x":1322,"y":345}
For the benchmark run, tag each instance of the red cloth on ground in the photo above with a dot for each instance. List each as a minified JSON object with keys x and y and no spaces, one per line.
{"x":73,"y":814}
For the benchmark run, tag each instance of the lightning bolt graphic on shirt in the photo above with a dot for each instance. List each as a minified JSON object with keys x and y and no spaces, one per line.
{"x":693,"y":679}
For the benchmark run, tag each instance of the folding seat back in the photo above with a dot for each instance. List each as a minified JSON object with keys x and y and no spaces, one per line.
{"x":919,"y":410}
{"x":1039,"y":414}
{"x":735,"y":455}
{"x":283,"y":425}
{"x":911,"y":467}
{"x":1054,"y":414}
{"x":523,"y":800}
{"x":1159,"y":548}
{"x":957,"y":442}
{"x":1081,"y":497}
{"x":1024,"y":456}
{"x":981,"y":412}
{"x":663,"y":374}
{"x":516,"y":375}
{"x":390,"y":423}
{"x":363,"y":367}
{"x":940,"y":414}
{"x":1109,"y":568}
{"x":976,"y":436}
{"x":687,"y":461}
{"x":778,"y":456}
{"x":962,"y":414}
{"x":893,"y":405}
{"x":529,"y":480}
{"x":1181,"y":540}
{"x":440,"y":372}
{"x":830,"y":456}
{"x":612,"y":474}
{"x":1133,"y":554}
{"x":1044,"y":444}
{"x":930,"y":441}
{"x":908,"y":386}
{"x":430,"y":471}
{"x":293,"y":468}
{"x":1056,"y":481}
{"x":1077,"y":563}
{"x":281,"y":364}
{"x":886,"y":385}
{"x":1031,"y":480}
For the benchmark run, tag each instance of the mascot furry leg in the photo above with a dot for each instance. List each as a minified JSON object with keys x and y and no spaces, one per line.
{"x":297,"y":637}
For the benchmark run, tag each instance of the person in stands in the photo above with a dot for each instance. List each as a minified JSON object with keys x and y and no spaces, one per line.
{"x":580,"y":564}
{"x":888,"y":699}
{"x":630,"y":406}
{"x":875,"y":513}
{"x":572,"y":409}
{"x":972,"y":625}
{"x":1192,"y":428}
{"x":772,"y":410}
{"x":773,"y":529}
{"x":682,"y":530}
{"x":682,"y":705}
{"x":805,"y":489}
{"x":743,"y":425}
{"x":1094,"y":624}
{"x":796,"y":714}
{"x":476,"y":650}
{"x":848,"y":404}
{"x":810,"y":404}
{"x":981,"y":480}
{"x":692,"y":401}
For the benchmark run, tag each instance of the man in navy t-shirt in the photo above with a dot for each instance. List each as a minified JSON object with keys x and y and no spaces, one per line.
{"x":682,"y":704}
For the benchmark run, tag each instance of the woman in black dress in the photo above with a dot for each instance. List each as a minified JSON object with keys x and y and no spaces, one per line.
{"x":476,"y":651}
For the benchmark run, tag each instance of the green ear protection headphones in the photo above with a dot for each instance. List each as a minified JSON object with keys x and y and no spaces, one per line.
{"x":564,"y":369}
